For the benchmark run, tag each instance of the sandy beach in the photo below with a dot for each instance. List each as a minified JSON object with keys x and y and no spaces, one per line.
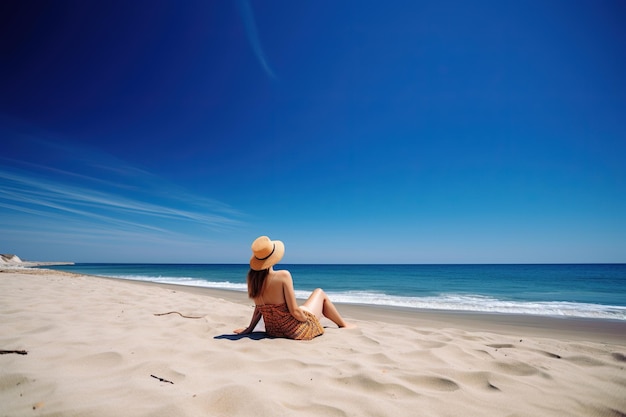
{"x":97,"y":347}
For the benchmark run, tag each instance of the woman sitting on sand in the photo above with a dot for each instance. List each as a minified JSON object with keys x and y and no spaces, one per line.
{"x":275,"y":298}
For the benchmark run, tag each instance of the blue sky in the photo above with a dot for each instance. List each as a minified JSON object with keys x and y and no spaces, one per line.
{"x":356,"y":132}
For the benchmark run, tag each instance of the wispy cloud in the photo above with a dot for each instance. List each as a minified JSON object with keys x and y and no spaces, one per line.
{"x":107,"y":200}
{"x":253,"y":36}
{"x":28,"y":194}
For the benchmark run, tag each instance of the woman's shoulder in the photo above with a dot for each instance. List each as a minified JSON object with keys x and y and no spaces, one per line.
{"x":283,"y":275}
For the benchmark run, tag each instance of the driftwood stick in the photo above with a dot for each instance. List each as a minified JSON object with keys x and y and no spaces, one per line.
{"x":161,"y":379}
{"x":19,"y":352}
{"x":176,"y":312}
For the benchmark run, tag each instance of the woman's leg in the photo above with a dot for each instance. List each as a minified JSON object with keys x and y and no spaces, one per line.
{"x":319,"y":304}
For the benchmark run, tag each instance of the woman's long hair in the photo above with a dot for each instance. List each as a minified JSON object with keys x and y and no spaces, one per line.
{"x":256,"y":279}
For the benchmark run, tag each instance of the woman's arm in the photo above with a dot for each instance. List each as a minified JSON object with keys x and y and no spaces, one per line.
{"x":256,"y":316}
{"x":290,"y":296}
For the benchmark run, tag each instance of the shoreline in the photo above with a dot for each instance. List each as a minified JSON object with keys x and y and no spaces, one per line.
{"x":103,"y":347}
{"x":33,"y":264}
{"x":574,"y":328}
{"x":600,"y":300}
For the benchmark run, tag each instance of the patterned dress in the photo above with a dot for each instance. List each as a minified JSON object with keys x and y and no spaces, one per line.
{"x":280,"y":323}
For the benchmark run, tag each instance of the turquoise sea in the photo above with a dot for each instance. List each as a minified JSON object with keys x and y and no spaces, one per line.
{"x":566,"y":290}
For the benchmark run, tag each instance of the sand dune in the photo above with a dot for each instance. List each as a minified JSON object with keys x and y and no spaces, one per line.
{"x":96,"y":348}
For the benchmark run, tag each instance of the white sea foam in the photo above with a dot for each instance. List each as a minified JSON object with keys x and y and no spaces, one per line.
{"x":456,"y":302}
{"x":191,"y":282}
{"x":478,"y":303}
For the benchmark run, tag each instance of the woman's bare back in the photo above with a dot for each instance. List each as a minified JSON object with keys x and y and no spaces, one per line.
{"x":272,"y":292}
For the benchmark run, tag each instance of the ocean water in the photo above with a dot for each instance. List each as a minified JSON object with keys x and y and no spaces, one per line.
{"x":572,"y":290}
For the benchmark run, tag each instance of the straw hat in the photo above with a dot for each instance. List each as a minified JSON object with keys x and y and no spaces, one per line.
{"x":266,"y":253}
